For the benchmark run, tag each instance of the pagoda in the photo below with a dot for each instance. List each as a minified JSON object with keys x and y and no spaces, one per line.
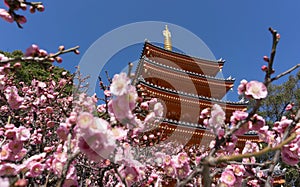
{"x":185,"y":85}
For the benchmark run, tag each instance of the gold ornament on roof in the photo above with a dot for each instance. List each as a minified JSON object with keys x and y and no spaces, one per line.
{"x":167,"y":41}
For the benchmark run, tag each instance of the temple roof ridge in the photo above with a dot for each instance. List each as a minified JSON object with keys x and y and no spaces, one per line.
{"x":221,"y":60}
{"x":184,"y":123}
{"x":189,"y":72}
{"x":190,"y":95}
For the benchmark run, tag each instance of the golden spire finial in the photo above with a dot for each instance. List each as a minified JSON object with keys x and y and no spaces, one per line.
{"x":167,"y":42}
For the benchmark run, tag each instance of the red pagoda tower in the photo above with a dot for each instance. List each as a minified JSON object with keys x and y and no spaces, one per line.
{"x":185,"y":85}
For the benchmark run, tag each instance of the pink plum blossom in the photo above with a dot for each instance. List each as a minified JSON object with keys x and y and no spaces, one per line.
{"x":85,"y":120}
{"x":289,"y":107}
{"x":23,"y":134}
{"x":256,"y":89}
{"x":217,"y":117}
{"x":228,"y":177}
{"x":15,"y":146}
{"x":33,"y":50}
{"x":6,"y":16}
{"x":5,"y":152}
{"x":289,"y":157}
{"x":242,"y":87}
{"x":158,"y":109}
{"x":13,"y":98}
{"x":36,"y":169}
{"x":119,"y":84}
{"x":257,"y":123}
{"x":8,"y":169}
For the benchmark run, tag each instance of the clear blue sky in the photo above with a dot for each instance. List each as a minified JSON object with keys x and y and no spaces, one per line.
{"x":234,"y":30}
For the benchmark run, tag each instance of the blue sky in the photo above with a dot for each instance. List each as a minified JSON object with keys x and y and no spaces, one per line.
{"x":234,"y":30}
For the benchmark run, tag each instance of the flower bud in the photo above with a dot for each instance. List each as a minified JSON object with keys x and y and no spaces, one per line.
{"x":264,"y":68}
{"x":43,"y":52}
{"x":17,"y":65}
{"x":77,"y":52}
{"x":40,"y":8}
{"x":58,"y":59}
{"x":32,"y":10}
{"x":61,"y":48}
{"x":21,"y":19}
{"x":266,"y":58}
{"x":51,"y":59}
{"x":23,"y":6}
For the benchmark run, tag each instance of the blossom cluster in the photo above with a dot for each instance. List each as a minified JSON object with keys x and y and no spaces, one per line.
{"x":10,"y":15}
{"x":49,"y":137}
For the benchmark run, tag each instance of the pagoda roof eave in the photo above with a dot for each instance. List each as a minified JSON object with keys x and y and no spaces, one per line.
{"x":227,"y":80}
{"x":219,"y":62}
{"x":189,"y":95}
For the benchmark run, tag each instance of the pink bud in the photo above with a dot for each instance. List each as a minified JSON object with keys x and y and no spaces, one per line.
{"x":266,"y":58}
{"x":32,"y":10}
{"x":58,"y":59}
{"x":17,"y":65}
{"x":49,"y":110}
{"x":264,"y":68}
{"x":23,"y":6}
{"x":278,"y":36}
{"x":77,"y":52}
{"x":43,"y":52}
{"x":40,"y":8}
{"x":289,"y":107}
{"x":21,"y":19}
{"x":145,"y":137}
{"x":51,"y":59}
{"x":61,"y":48}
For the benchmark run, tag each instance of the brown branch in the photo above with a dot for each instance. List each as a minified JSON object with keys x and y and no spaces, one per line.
{"x":220,"y":159}
{"x":70,"y":159}
{"x":277,"y":154}
{"x":250,"y":164}
{"x":39,"y":59}
{"x":285,"y":73}
{"x":194,"y":173}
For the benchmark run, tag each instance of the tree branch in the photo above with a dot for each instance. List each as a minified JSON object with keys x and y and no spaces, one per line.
{"x":39,"y":59}
{"x":285,"y":73}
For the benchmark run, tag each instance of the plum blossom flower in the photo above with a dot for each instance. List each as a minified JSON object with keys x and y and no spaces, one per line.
{"x":2,"y":56}
{"x":242,"y":87}
{"x":131,"y":174}
{"x":96,"y":140}
{"x":205,"y":113}
{"x":256,"y":89}
{"x":217,"y":117}
{"x":4,"y":182}
{"x":121,"y":107}
{"x":5,"y":153}
{"x":33,"y":50}
{"x":183,"y":171}
{"x":13,"y":98}
{"x":15,"y":146}
{"x":289,"y":107}
{"x":239,"y":170}
{"x":36,"y":169}
{"x":6,"y":16}
{"x":85,"y":120}
{"x":182,"y":158}
{"x":23,"y":134}
{"x":228,"y":177}
{"x":8,"y":169}
{"x":238,"y":116}
{"x":119,"y":84}
{"x":158,"y":109}
{"x":289,"y":157}
{"x":257,"y":123}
